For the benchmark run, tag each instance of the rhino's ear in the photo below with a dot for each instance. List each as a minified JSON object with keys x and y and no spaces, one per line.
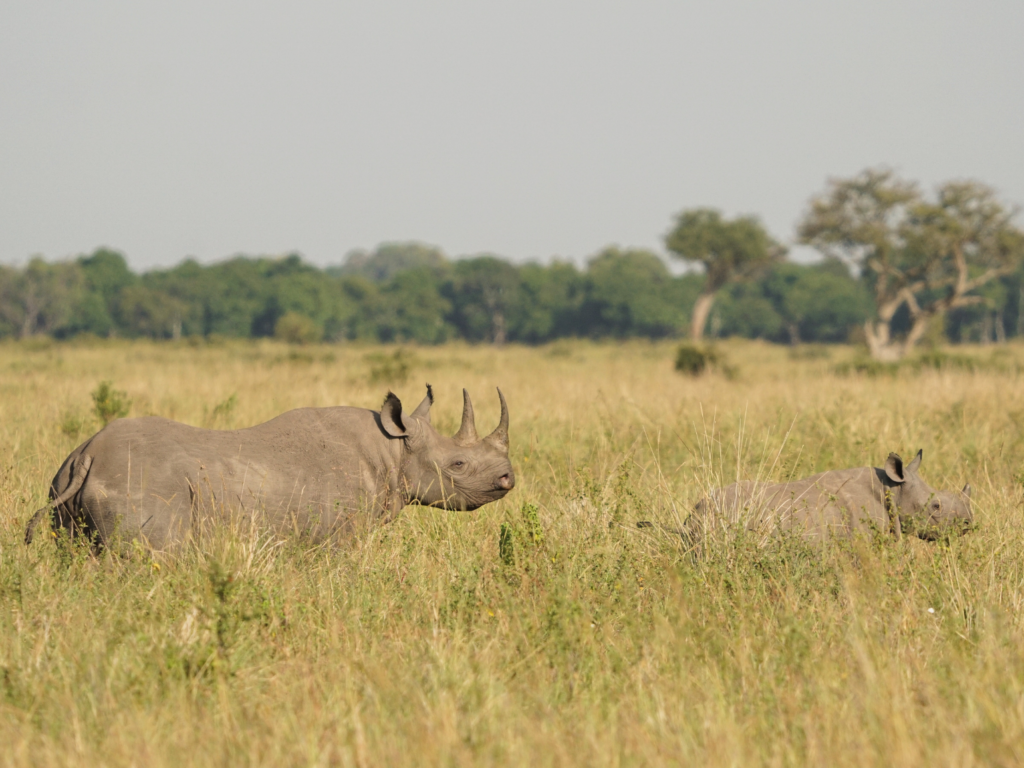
{"x":894,"y":468}
{"x":423,"y":409}
{"x":391,"y":416}
{"x":967,"y":491}
{"x":913,"y":466}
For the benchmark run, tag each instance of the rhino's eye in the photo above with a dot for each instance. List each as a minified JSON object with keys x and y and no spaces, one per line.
{"x":457,"y":464}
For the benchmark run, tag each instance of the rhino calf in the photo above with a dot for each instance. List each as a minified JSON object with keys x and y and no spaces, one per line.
{"x":310,"y":470}
{"x":892,"y":499}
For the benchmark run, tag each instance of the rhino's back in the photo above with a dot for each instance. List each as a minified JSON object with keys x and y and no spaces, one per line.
{"x":150,"y":476}
{"x":835,"y":503}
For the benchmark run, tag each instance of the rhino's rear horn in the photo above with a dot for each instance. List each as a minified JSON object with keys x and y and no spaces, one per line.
{"x":499,"y":437}
{"x":467,"y":430}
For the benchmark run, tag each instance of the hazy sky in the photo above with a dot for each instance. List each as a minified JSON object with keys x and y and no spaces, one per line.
{"x":527,"y":129}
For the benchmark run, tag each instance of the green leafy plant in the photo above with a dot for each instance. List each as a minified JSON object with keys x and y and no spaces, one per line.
{"x":506,"y":545}
{"x":526,"y":531}
{"x":73,"y":424}
{"x":532,"y":529}
{"x":694,"y":359}
{"x":110,"y":403}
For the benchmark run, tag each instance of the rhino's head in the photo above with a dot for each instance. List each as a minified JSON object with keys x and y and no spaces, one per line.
{"x":923,"y":511}
{"x":464,"y":471}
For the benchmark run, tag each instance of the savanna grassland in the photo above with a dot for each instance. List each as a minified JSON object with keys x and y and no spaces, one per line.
{"x":571,"y":638}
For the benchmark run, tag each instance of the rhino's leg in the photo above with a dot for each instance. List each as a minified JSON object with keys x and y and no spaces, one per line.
{"x":77,"y":479}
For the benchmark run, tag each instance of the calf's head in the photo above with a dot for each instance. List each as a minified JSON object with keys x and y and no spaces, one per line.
{"x":923,"y":511}
{"x":464,"y":471}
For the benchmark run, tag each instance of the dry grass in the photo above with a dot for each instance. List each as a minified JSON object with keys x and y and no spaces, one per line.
{"x":584,"y":640}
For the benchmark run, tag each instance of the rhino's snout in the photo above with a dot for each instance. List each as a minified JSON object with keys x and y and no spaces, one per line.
{"x":506,"y":482}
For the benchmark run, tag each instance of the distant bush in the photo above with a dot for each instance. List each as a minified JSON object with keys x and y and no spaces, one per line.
{"x":297,"y":329}
{"x":937,"y":359}
{"x":867,"y":366}
{"x":931,"y":359}
{"x":73,"y":425}
{"x":694,"y":359}
{"x":389,"y":369}
{"x":809,"y":352}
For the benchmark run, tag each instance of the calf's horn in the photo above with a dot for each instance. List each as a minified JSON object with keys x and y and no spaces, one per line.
{"x":499,"y":437}
{"x":467,"y":430}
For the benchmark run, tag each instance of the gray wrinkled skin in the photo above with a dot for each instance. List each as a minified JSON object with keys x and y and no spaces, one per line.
{"x":313,"y":471}
{"x":840,"y":503}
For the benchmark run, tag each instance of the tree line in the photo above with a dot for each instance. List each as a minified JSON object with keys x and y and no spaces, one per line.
{"x":897,"y":265}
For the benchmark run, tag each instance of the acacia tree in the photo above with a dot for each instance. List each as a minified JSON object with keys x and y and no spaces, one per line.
{"x":730,"y":251}
{"x":930,"y":255}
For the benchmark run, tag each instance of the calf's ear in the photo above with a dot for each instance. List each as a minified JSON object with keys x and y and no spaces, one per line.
{"x":916,"y":463}
{"x":967,"y":491}
{"x":391,"y":416}
{"x":894,"y":468}
{"x":423,"y":409}
{"x":499,"y":437}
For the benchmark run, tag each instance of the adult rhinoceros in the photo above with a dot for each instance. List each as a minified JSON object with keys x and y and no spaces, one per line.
{"x":892,"y":499}
{"x":311,"y":470}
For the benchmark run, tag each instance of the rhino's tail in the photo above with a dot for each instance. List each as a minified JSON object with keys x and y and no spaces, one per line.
{"x":81,"y":470}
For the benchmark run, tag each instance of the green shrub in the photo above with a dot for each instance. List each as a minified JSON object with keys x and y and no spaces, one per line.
{"x":389,"y":368}
{"x":867,"y":366}
{"x":809,"y":352}
{"x":939,"y":360}
{"x":929,"y":359}
{"x":694,"y":359}
{"x":109,"y":403}
{"x":526,"y":533}
{"x":506,"y":545}
{"x":73,"y":424}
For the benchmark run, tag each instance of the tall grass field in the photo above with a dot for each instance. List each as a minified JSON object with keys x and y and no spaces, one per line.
{"x":545,"y":629}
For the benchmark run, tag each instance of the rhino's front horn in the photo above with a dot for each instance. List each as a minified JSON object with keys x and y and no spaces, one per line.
{"x":467,"y":430}
{"x":499,"y":437}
